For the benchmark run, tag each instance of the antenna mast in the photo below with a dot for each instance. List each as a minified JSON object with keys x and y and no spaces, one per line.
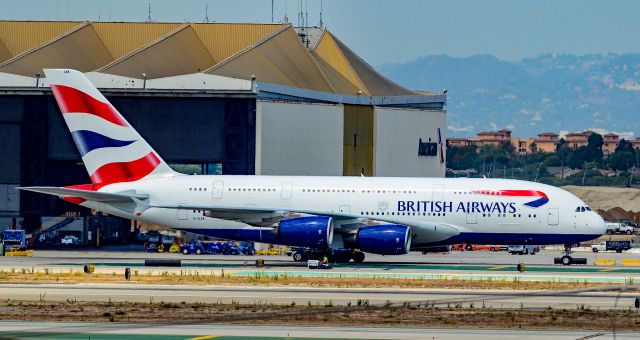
{"x":149,"y":13}
{"x":272,"y":1}
{"x":206,"y":13}
{"x":321,"y":23}
{"x":286,"y":18}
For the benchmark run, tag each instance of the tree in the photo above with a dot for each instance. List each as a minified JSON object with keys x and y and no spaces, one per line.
{"x":624,"y":145}
{"x":506,"y":148}
{"x":594,"y":148}
{"x":621,"y":160}
{"x":577,"y":158}
{"x":533,"y":147}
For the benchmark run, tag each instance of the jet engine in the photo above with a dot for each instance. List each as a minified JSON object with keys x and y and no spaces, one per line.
{"x":307,"y":231}
{"x":389,"y":239}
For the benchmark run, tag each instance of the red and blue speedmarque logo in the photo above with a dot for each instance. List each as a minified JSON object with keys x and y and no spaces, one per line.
{"x":540,"y":201}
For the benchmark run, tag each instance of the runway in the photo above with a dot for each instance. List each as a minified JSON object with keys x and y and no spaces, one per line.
{"x":113,"y":331}
{"x":285,"y":295}
{"x":544,"y":258}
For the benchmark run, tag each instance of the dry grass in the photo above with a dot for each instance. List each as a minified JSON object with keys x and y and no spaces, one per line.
{"x":362,"y":314}
{"x":211,"y":278}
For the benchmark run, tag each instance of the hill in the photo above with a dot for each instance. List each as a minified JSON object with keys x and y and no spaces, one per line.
{"x":546,"y":93}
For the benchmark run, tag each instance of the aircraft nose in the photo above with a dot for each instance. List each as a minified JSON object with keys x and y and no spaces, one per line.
{"x":599,"y":226}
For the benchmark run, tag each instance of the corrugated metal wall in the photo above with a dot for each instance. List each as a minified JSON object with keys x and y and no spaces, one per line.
{"x":298,"y":139}
{"x":273,"y":52}
{"x":123,"y":37}
{"x":224,"y":40}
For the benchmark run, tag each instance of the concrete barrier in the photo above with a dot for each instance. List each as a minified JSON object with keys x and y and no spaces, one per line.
{"x":162,"y":263}
{"x":28,"y":252}
{"x":605,"y":262}
{"x":630,"y":262}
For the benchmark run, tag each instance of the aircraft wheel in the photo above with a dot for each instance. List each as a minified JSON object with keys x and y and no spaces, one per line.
{"x":358,"y":257}
{"x":567,"y":260}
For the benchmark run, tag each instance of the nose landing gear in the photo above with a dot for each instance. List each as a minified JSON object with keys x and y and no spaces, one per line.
{"x":567,"y":259}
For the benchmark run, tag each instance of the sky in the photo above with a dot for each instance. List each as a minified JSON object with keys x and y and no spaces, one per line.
{"x":394,"y":31}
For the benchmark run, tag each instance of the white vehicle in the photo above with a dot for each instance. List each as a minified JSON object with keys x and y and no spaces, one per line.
{"x":619,"y":228}
{"x":522,"y":249}
{"x":388,"y":216}
{"x":70,"y":240}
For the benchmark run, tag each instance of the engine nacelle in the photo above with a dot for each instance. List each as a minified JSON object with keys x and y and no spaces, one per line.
{"x":308,"y":231}
{"x":389,"y":239}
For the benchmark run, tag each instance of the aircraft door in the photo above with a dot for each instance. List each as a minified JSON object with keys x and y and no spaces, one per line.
{"x":286,"y":190}
{"x":553,"y":217}
{"x":217,"y":189}
{"x":182,"y":214}
{"x":472,"y":218}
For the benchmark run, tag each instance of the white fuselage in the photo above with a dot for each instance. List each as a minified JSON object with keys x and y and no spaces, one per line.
{"x":438,"y":210}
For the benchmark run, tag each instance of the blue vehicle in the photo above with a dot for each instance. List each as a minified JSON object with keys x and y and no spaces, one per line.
{"x":201,"y":247}
{"x":14,"y":240}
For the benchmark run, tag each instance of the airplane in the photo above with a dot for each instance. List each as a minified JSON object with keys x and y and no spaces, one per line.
{"x":380,"y":215}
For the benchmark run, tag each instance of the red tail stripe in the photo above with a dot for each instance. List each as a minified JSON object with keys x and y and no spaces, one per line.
{"x":71,"y":100}
{"x":125,"y":171}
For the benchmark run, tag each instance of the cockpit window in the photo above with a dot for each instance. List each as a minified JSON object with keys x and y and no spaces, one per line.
{"x":582,"y":209}
{"x":578,"y":209}
{"x":588,"y":209}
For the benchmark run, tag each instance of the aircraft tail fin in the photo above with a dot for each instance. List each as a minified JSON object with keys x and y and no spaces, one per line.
{"x":111,"y":149}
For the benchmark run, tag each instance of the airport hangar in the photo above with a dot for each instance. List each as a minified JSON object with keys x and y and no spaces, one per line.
{"x":229,"y":98}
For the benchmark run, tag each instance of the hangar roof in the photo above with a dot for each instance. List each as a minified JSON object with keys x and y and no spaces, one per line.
{"x":274,"y":53}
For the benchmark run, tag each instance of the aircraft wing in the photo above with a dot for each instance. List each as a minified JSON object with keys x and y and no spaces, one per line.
{"x":88,"y":195}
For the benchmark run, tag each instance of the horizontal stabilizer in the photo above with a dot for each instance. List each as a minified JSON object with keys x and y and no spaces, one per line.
{"x":88,"y":195}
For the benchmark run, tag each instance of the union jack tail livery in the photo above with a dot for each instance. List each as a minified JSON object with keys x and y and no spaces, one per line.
{"x":111,"y":149}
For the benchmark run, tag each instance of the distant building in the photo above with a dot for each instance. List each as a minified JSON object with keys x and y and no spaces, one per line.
{"x":522,"y":146}
{"x":547,"y":142}
{"x":493,"y":137}
{"x":577,"y":139}
{"x":636,"y":143}
{"x":610,"y":143}
{"x":459,"y":142}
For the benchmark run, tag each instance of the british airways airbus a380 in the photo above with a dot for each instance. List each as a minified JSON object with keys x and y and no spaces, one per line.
{"x":388,"y":216}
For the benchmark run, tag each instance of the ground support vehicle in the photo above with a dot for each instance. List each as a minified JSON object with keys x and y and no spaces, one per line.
{"x":70,"y":240}
{"x":523,"y":249}
{"x":13,"y":240}
{"x":340,"y":255}
{"x":317,"y":264}
{"x":620,"y":228}
{"x":617,"y":246}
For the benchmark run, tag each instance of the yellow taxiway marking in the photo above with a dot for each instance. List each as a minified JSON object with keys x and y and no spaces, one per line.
{"x":204,"y":337}
{"x":498,"y":267}
{"x":607,"y":270}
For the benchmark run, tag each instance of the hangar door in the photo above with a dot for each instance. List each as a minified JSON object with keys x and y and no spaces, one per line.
{"x":358,"y":140}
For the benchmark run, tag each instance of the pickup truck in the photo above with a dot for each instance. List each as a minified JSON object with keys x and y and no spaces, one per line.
{"x":617,"y":246}
{"x":620,"y":228}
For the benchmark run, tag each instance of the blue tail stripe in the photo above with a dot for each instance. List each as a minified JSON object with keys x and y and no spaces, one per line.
{"x":87,"y":141}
